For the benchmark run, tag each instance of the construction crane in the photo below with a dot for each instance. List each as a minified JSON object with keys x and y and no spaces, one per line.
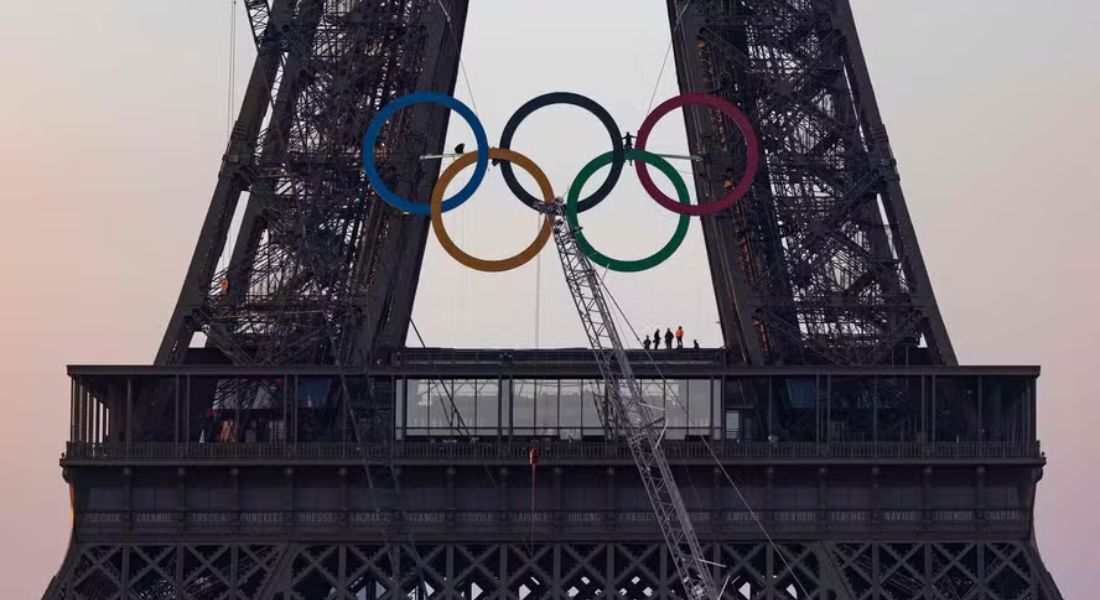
{"x":641,"y":425}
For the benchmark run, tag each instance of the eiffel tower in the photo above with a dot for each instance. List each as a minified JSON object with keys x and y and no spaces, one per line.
{"x":286,"y":444}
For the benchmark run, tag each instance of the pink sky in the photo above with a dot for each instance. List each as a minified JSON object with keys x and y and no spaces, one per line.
{"x":112,"y":122}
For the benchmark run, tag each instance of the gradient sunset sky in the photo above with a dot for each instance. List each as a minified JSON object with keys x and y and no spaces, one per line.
{"x":113,"y":122}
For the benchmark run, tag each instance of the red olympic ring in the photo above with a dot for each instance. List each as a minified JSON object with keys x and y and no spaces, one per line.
{"x":752,"y":159}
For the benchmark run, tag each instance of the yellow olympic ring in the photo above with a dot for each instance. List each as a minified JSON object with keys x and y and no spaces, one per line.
{"x":481,"y":264}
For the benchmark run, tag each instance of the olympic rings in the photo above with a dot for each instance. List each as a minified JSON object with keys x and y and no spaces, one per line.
{"x":628,"y":266}
{"x":752,"y":159}
{"x":370,"y":140}
{"x":576,"y":100}
{"x":617,"y":157}
{"x":480,"y":264}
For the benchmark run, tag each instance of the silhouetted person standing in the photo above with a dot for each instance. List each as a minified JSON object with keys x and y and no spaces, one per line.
{"x":668,"y":339}
{"x":680,"y":336}
{"x":645,"y":343}
{"x":657,"y":339}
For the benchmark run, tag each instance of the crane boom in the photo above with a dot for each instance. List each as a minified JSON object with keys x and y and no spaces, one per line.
{"x":630,"y":416}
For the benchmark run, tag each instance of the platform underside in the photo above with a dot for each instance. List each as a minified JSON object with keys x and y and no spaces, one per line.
{"x":345,"y":569}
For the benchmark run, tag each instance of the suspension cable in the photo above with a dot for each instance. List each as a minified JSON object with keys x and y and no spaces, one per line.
{"x":664,"y":62}
{"x":756,"y":519}
{"x":538,"y":294}
{"x":533,"y":458}
{"x":771,"y":542}
{"x":230,"y":109}
{"x":458,"y":52}
{"x":454,"y":412}
{"x":465,"y":430}
{"x":231,"y":102}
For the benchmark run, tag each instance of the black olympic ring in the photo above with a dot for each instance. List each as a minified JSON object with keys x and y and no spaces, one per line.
{"x":618,"y":155}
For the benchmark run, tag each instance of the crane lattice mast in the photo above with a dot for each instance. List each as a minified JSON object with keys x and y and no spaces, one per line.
{"x":641,"y":425}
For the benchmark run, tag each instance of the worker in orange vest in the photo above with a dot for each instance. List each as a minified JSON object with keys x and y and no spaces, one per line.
{"x":679,"y":336}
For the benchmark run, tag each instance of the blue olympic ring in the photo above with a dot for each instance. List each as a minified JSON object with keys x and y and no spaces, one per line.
{"x":370,"y":140}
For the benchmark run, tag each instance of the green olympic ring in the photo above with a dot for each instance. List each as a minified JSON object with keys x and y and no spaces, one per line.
{"x":627,"y":266}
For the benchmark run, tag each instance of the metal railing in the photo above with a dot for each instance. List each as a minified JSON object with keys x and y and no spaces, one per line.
{"x":559,"y":356}
{"x":549,"y":451}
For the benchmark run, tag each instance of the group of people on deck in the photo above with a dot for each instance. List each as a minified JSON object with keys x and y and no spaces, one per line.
{"x":669,"y":336}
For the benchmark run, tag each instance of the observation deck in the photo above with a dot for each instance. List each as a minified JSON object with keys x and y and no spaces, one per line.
{"x":476,"y":405}
{"x":872,"y":450}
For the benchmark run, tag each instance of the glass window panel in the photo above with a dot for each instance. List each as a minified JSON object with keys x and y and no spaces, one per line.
{"x":676,"y":391}
{"x":399,"y":410}
{"x":716,"y":408}
{"x":698,"y":402}
{"x":956,"y":411}
{"x":506,"y":406}
{"x":465,"y":405}
{"x":523,"y":406}
{"x":850,"y":410}
{"x":313,"y":392}
{"x":899,"y":409}
{"x":676,"y":409}
{"x":591,"y":424}
{"x":571,"y":406}
{"x":546,"y":407}
{"x":488,"y":395}
{"x":440,"y":413}
{"x":653,"y":393}
{"x":1006,"y":413}
{"x":734,"y":427}
{"x":264,"y":396}
{"x":794,"y":408}
{"x":416,"y":407}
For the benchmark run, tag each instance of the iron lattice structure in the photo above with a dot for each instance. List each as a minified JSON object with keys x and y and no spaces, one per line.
{"x":266,"y":464}
{"x":820,"y":263}
{"x":317,"y":257}
{"x":856,"y":570}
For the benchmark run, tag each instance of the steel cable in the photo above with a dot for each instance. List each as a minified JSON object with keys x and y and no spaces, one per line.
{"x":775,"y":547}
